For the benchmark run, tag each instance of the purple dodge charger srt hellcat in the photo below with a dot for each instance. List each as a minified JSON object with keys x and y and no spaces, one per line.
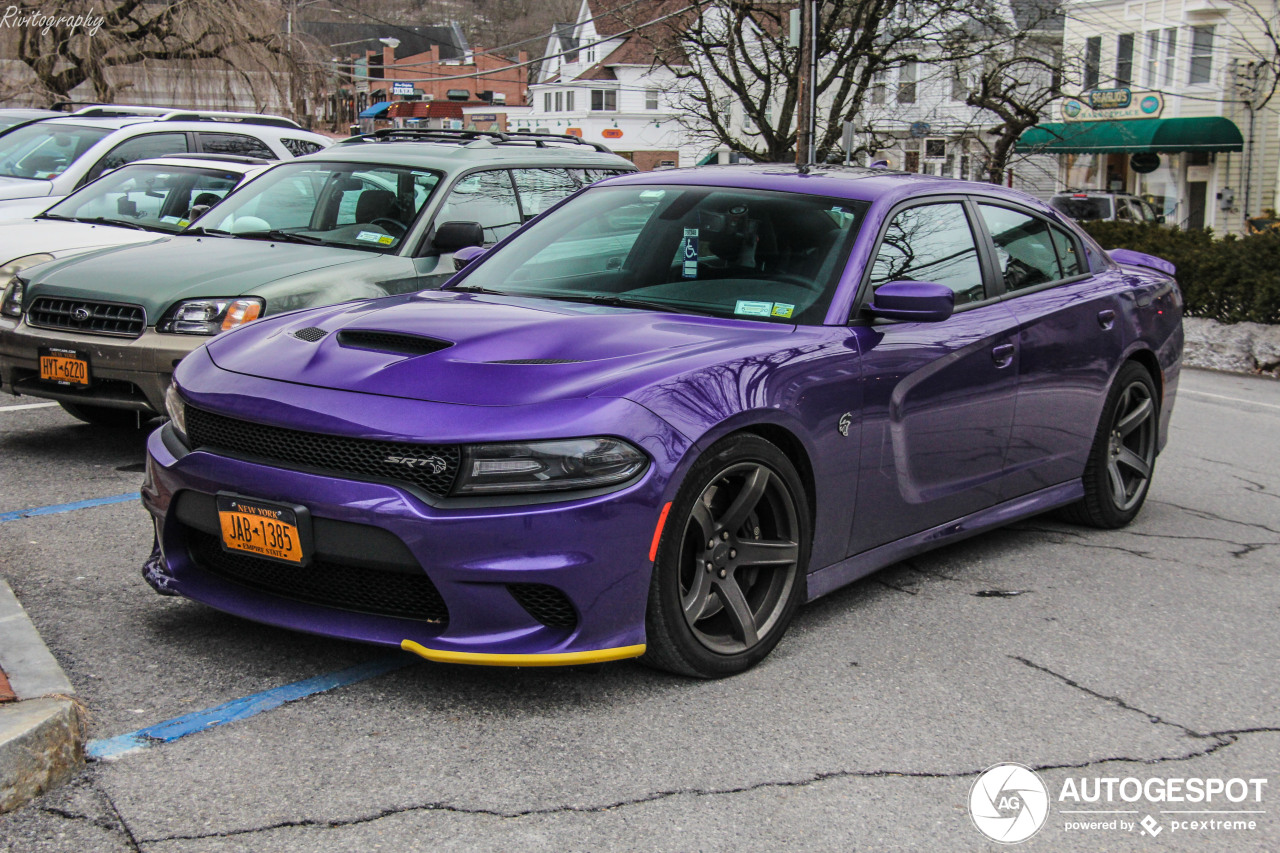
{"x":664,"y":414}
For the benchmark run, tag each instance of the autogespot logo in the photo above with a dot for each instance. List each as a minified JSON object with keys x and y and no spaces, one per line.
{"x":1009,"y":803}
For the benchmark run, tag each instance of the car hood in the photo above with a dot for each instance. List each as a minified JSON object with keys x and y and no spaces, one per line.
{"x":23,"y":188}
{"x":156,"y":275}
{"x":49,"y":236}
{"x":494,"y":351}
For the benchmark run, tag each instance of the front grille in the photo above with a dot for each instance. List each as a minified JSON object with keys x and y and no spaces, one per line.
{"x":79,"y":315}
{"x":430,"y":467}
{"x":390,"y":342}
{"x":404,"y":596}
{"x":545,"y":603}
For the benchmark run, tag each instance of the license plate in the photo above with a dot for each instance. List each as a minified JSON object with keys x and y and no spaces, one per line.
{"x":264,"y":529}
{"x":64,"y":366}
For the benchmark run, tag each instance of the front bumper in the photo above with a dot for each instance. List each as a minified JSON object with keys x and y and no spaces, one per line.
{"x":125,"y":373}
{"x":589,"y":554}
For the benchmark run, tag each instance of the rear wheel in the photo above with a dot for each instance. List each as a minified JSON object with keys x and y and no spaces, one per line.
{"x":1118,"y":474}
{"x":105,"y":416}
{"x":730,"y":569}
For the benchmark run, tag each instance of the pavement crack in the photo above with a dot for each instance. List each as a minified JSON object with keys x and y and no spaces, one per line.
{"x":1211,"y":516}
{"x":1114,"y":700}
{"x":124,"y":826}
{"x":905,"y":589}
{"x":1221,"y":741}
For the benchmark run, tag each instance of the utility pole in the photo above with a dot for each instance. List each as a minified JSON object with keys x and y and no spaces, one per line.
{"x":807,"y":85}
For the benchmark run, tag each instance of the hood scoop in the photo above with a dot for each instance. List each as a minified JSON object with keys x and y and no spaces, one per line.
{"x":394,"y":342}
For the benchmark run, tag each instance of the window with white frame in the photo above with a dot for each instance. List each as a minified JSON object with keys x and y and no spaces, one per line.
{"x":1152,"y":78}
{"x":1124,"y":60}
{"x":546,"y":102}
{"x":568,"y":101}
{"x":650,"y":99}
{"x":604,"y":100}
{"x":559,"y":101}
{"x":879,"y":83}
{"x":1201,"y":70}
{"x":907,"y":83}
{"x":1170,"y":54}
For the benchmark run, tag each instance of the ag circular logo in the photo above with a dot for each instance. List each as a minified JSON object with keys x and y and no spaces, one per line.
{"x":1008,"y":803}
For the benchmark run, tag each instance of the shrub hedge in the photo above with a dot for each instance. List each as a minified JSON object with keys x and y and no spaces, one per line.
{"x":1232,"y":280}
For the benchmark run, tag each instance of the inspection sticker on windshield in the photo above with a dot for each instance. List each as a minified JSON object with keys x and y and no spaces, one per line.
{"x":690,"y":245}
{"x":172,"y":220}
{"x":782,"y":309}
{"x":375,"y":237}
{"x":753,"y":309}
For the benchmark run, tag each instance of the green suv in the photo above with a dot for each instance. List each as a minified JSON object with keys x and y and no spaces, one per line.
{"x":375,"y":215}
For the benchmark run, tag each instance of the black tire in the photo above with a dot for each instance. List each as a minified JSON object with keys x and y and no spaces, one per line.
{"x":1118,"y":474}
{"x":105,"y":416}
{"x":733,"y":552}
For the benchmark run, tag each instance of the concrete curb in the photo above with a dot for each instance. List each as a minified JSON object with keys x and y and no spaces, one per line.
{"x":41,"y":734}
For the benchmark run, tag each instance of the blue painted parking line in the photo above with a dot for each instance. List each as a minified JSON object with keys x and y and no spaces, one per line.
{"x":241,"y":709}
{"x":57,"y":508}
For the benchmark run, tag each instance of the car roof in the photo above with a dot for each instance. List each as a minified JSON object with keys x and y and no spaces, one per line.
{"x":452,"y":156}
{"x":852,"y":182}
{"x":243,"y":165}
{"x":182,"y":126}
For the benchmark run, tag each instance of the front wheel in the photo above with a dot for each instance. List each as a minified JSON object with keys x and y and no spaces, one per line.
{"x":730,"y":568}
{"x":1117,"y":476}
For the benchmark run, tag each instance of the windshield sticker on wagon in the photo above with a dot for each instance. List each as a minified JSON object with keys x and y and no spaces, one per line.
{"x":375,"y":237}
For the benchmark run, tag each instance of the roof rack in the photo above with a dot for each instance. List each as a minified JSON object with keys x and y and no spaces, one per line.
{"x":518,"y":137}
{"x":170,"y":114}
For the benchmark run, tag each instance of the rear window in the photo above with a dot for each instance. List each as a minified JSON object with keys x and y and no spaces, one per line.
{"x":1082,"y":209}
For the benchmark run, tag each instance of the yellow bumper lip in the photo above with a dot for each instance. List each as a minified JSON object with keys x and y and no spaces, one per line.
{"x":550,"y":659}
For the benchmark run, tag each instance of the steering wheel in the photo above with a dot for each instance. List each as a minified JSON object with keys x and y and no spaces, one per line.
{"x":395,"y":226}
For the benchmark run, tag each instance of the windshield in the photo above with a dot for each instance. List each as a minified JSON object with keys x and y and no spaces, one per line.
{"x":1082,"y":209}
{"x":158,"y":198}
{"x":44,"y":150}
{"x":353,"y":205}
{"x":726,"y":252}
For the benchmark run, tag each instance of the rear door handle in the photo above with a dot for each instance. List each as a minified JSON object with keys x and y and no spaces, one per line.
{"x":1106,"y":319}
{"x":1003,"y":355}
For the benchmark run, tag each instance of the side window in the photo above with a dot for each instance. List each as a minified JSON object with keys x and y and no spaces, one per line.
{"x":299,"y":147}
{"x":539,"y":189}
{"x":1065,"y":247}
{"x":1024,"y":248}
{"x":236,"y":143}
{"x":934,"y":243}
{"x":485,"y":197}
{"x":140,"y":148}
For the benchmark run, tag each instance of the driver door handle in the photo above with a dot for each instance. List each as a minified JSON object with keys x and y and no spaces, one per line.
{"x":1003,"y":355}
{"x":1106,"y":319}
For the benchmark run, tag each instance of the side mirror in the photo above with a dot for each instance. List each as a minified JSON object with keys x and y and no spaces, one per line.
{"x":452,"y":236}
{"x":919,"y":301}
{"x":466,"y":255}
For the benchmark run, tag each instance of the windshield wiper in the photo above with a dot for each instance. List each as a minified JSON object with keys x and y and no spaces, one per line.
{"x":100,"y":220}
{"x":474,"y":288}
{"x":625,"y":302}
{"x":208,"y":232}
{"x":283,"y":236}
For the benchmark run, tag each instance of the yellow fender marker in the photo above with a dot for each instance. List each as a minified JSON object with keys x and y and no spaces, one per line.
{"x":551,"y":659}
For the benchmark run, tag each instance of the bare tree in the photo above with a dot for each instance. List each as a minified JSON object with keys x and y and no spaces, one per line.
{"x":1020,"y":74}
{"x":242,"y":37}
{"x":726,"y":52}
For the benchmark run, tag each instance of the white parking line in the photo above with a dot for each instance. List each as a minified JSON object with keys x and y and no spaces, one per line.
{"x":27,"y":406}
{"x":1232,"y":399}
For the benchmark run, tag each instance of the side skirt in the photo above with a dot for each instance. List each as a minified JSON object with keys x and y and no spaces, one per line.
{"x":858,"y":566}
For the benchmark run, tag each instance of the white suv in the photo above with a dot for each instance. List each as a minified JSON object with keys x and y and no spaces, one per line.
{"x":51,"y":158}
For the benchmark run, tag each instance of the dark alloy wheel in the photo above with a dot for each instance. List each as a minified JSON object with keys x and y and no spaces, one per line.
{"x":105,"y":416}
{"x":730,"y":568}
{"x":1118,"y":474}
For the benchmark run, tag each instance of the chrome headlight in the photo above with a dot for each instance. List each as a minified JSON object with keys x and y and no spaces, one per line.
{"x":210,"y":316}
{"x":176,"y":408}
{"x":547,"y":466}
{"x":11,"y":301}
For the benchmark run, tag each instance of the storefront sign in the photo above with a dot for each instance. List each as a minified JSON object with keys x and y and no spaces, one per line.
{"x":611,"y":133}
{"x":1108,"y":104}
{"x":484,"y":116}
{"x":573,"y":131}
{"x":402,"y":88}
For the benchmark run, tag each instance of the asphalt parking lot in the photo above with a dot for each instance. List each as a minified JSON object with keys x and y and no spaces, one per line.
{"x":1149,"y":652}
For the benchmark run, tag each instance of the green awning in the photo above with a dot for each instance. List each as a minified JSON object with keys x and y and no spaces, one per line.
{"x":1133,"y":136}
{"x":713,"y":157}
